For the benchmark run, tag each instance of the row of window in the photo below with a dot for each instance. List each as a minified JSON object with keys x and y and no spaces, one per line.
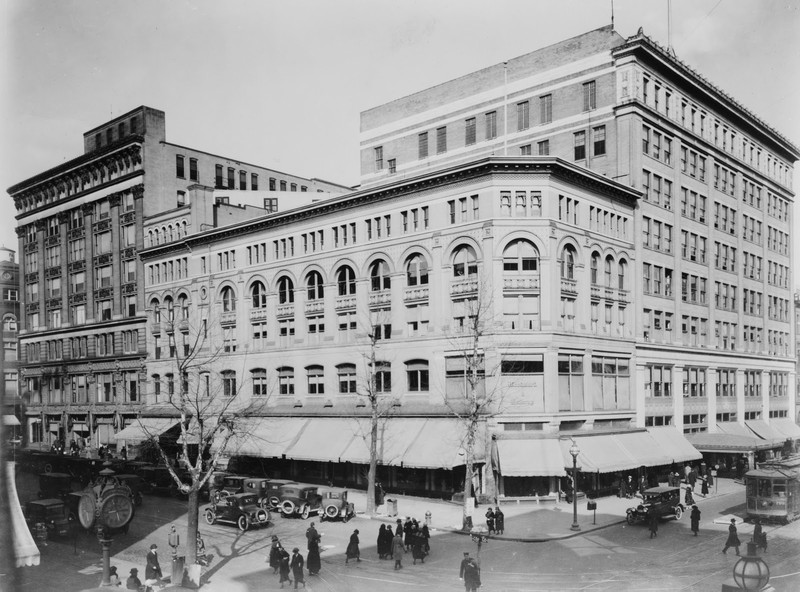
{"x":229,"y":180}
{"x":100,"y":387}
{"x":122,"y":129}
{"x":76,"y":348}
{"x":694,"y":381}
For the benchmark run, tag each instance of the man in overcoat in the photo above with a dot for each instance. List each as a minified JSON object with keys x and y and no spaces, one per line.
{"x":152,"y":572}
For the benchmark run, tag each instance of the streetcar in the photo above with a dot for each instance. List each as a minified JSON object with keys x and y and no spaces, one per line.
{"x":773,"y":490}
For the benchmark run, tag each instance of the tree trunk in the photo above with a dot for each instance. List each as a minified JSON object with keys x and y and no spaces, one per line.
{"x":466,"y":522}
{"x":373,"y":461}
{"x":191,"y":528}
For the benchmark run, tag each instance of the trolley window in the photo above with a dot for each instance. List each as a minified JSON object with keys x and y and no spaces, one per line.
{"x":779,"y":488}
{"x":764,"y":488}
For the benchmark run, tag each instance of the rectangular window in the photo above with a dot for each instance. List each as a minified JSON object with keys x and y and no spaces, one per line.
{"x":580,"y":145}
{"x":242,"y":180}
{"x":523,"y":115}
{"x":544,"y":147}
{"x":231,"y":178}
{"x":179,"y":166}
{"x":193,"y":174}
{"x":589,"y":95}
{"x":470,"y":133}
{"x":218,"y":177}
{"x":379,"y":158}
{"x":441,"y":140}
{"x":491,"y":125}
{"x":546,"y":109}
{"x":599,"y":139}
{"x":423,"y":145}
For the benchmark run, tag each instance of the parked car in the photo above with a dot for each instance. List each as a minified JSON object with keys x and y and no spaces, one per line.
{"x":300,"y":500}
{"x":664,"y":501}
{"x":159,"y":480}
{"x":335,"y":505}
{"x":273,"y":492}
{"x":54,"y":485}
{"x":50,"y":512}
{"x":214,"y":485}
{"x":241,"y":509}
{"x":232,"y":484}
{"x":136,"y":485}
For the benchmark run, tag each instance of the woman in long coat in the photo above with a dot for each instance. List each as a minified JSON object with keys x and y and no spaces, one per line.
{"x":352,"y":548}
{"x":398,"y":549}
{"x":382,"y":541}
{"x":499,"y":521}
{"x":704,"y":487}
{"x":695,"y":519}
{"x":284,"y":567}
{"x":417,"y":546}
{"x":733,"y":538}
{"x":490,"y":520}
{"x":426,"y":537}
{"x":297,"y":565}
{"x":275,"y":552}
{"x":313,"y":562}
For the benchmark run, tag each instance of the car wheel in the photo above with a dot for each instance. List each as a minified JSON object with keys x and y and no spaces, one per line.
{"x":304,"y":513}
{"x":287,"y":507}
{"x":210,"y":517}
{"x":331,"y":511}
{"x":274,"y":502}
{"x":630,"y":518}
{"x":262,"y":516}
{"x":243,"y":523}
{"x":678,"y":513}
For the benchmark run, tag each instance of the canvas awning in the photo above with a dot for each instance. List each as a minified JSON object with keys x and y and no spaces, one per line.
{"x":80,"y":427}
{"x":642,"y":447}
{"x":441,"y":445}
{"x":734,"y":429}
{"x":786,"y":426}
{"x":764,"y":431}
{"x":26,"y":552}
{"x":599,"y":453}
{"x":145,"y":428}
{"x":326,"y":440}
{"x":265,"y":437}
{"x":674,"y":444}
{"x":395,"y":436}
{"x":528,"y":458}
{"x":731,"y":443}
{"x":10,"y":420}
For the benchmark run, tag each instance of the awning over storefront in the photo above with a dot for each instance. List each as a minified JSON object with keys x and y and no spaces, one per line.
{"x":145,"y":428}
{"x":528,"y":458}
{"x":10,"y":420}
{"x":395,"y":436}
{"x":599,"y":453}
{"x":25,"y":550}
{"x":764,"y":431}
{"x":644,"y":449}
{"x":730,"y":443}
{"x":264,"y":437}
{"x":786,"y":427}
{"x":326,"y":440}
{"x":80,"y":427}
{"x":674,"y":444}
{"x":734,"y":429}
{"x":441,"y":444}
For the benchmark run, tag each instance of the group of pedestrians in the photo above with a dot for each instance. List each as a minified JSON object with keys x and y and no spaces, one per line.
{"x":495,"y":520}
{"x":408,"y":536}
{"x":287,"y":566}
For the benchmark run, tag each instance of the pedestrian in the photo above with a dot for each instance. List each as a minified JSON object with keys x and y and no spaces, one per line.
{"x":124,"y":453}
{"x":652,"y":521}
{"x":704,"y":487}
{"x":113,"y":576}
{"x":417,"y":546}
{"x":630,"y":487}
{"x":133,"y":582}
{"x":426,"y":536}
{"x":152,"y":572}
{"x":311,"y":535}
{"x":297,"y":565}
{"x":313,"y":562}
{"x":499,"y":521}
{"x":623,"y":491}
{"x":692,"y":478}
{"x":733,"y":538}
{"x":407,"y":533}
{"x":382,"y":541}
{"x":472,"y":576}
{"x":695,"y":519}
{"x":352,"y":551}
{"x":275,"y":552}
{"x":642,"y":484}
{"x":759,"y":536}
{"x":710,"y":478}
{"x":464,"y":563}
{"x":398,"y":548}
{"x":379,"y":495}
{"x":284,"y":567}
{"x":490,"y":520}
{"x":688,"y":499}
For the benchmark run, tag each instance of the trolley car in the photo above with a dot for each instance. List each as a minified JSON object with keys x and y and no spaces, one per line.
{"x":773,"y":490}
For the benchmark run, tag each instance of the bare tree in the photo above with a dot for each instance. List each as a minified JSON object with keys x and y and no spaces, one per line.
{"x":478,"y":404}
{"x":211,"y":413}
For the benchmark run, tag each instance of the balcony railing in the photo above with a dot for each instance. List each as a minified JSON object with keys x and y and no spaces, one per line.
{"x":381,"y":298}
{"x":258,"y":314}
{"x":285,"y":310}
{"x":569,"y":286}
{"x":315,"y":306}
{"x":465,"y":286}
{"x":416,"y":294}
{"x":521,"y":283}
{"x":345,"y":302}
{"x":228,"y":319}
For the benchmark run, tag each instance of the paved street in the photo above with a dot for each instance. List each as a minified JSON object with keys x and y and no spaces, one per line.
{"x":615,"y":556}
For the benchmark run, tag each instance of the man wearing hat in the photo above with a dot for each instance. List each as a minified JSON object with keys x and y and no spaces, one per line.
{"x":133,"y":582}
{"x":152,"y":573}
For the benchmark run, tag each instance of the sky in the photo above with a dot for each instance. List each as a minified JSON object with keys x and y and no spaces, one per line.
{"x":282,"y":84}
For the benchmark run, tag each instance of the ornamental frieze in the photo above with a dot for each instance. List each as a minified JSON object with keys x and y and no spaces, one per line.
{"x":77,"y":298}
{"x":63,"y":217}
{"x":128,"y":218}
{"x":32,"y":277}
{"x":103,"y":293}
{"x":103,"y":259}
{"x":53,"y":303}
{"x":102,"y":225}
{"x":115,"y":199}
{"x":128,"y":289}
{"x":32,"y":247}
{"x":76,"y":233}
{"x":51,"y":272}
{"x":77,"y":265}
{"x":32,"y":307}
{"x":52,"y":241}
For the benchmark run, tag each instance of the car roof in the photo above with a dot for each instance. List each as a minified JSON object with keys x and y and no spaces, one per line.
{"x":662,"y":489}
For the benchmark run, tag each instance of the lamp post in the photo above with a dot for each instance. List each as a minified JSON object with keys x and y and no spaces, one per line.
{"x":574,"y":451}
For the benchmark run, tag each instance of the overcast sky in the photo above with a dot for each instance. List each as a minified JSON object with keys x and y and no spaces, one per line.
{"x":281,"y":84}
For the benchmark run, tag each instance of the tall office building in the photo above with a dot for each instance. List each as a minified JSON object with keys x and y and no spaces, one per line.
{"x":80,"y":228}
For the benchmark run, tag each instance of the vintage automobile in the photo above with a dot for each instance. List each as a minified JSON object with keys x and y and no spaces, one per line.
{"x":663,"y":500}
{"x":299,"y":500}
{"x":159,"y":480}
{"x":54,"y":485}
{"x":136,"y":485}
{"x":273,"y":492}
{"x":232,"y":484}
{"x":211,"y":489}
{"x":335,"y":505}
{"x":50,"y":512}
{"x":241,"y":509}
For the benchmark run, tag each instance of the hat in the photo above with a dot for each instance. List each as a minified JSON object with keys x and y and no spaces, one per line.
{"x":274,"y":537}
{"x":296,"y":550}
{"x":733,"y":520}
{"x":153,"y":546}
{"x":356,"y":531}
{"x":466,"y":553}
{"x":134,"y":570}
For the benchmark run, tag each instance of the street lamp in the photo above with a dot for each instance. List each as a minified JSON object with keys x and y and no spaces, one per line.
{"x":574,"y":451}
{"x":480,"y":535}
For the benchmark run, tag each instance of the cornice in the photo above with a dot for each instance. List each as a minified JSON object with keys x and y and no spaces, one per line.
{"x":485,"y":167}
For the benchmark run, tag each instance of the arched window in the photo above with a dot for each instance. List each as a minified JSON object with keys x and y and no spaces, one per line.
{"x":228,"y":299}
{"x":183,"y":305}
{"x":379,"y":276}
{"x":417,"y":374}
{"x":347,"y":379}
{"x":621,"y":274}
{"x":346,"y":280}
{"x":417,"y":270}
{"x":156,"y":310}
{"x":568,"y":263}
{"x":608,"y":271}
{"x":465,"y":262}
{"x":594,"y":265}
{"x":258,"y":293}
{"x":170,"y":309}
{"x":285,"y":290}
{"x":505,"y":204}
{"x":314,"y":285}
{"x":9,"y":324}
{"x":520,"y":256}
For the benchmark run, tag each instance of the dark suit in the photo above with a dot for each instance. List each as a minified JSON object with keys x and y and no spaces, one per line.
{"x":153,"y":569}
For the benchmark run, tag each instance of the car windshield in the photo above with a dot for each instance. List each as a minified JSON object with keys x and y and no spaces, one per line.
{"x":247,"y":500}
{"x":334,"y":495}
{"x":232,"y":481}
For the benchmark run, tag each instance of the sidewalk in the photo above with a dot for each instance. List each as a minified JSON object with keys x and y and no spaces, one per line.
{"x":528,"y":522}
